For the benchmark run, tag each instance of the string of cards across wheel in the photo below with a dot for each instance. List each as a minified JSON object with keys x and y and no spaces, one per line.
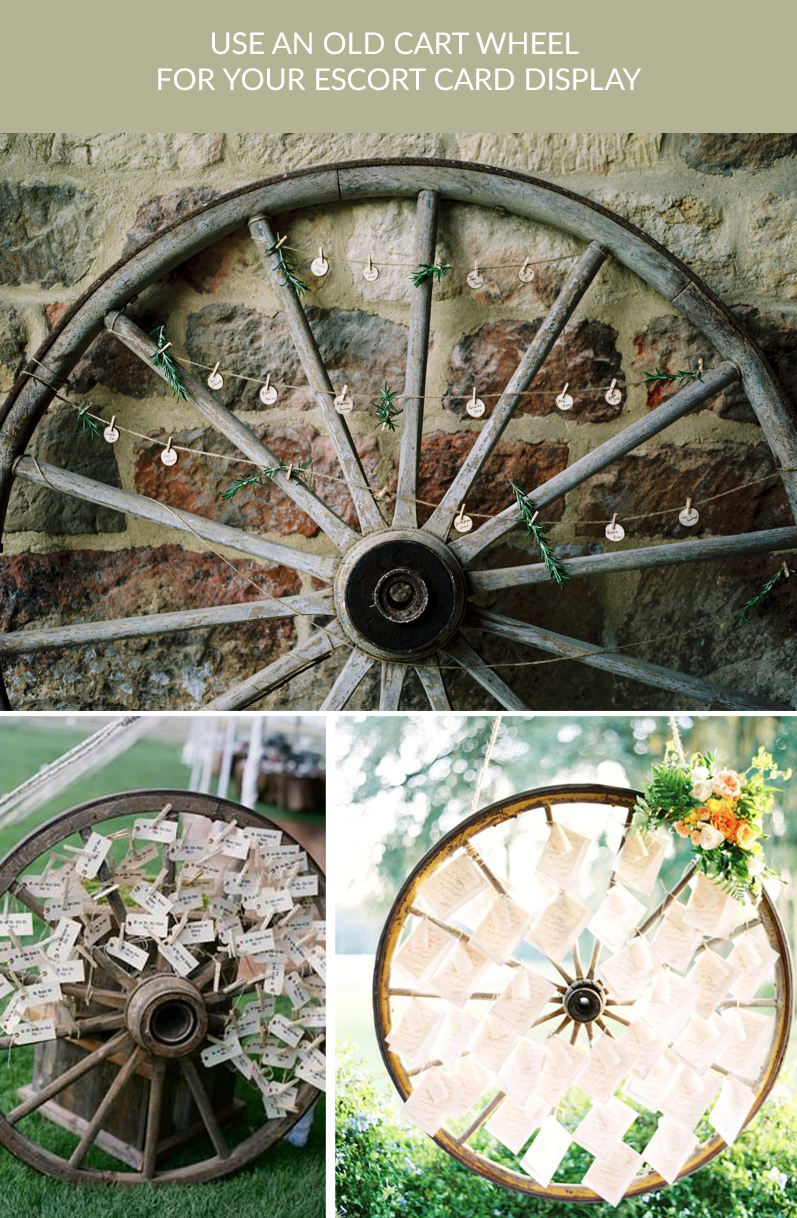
{"x":557,"y":1007}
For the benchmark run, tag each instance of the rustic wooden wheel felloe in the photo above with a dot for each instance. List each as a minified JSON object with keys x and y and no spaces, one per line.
{"x":539,"y":993}
{"x":396,"y":594}
{"x":162,"y":989}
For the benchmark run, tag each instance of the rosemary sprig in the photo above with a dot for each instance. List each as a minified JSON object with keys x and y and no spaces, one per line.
{"x":668,"y":378}
{"x":386,"y":410}
{"x":760,"y":598}
{"x":429,"y":270}
{"x":528,"y":513}
{"x":87,"y":424}
{"x":301,"y":471}
{"x":163,"y":360}
{"x":286,"y":268}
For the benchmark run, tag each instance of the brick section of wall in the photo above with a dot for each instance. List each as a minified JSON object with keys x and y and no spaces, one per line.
{"x":71,"y":204}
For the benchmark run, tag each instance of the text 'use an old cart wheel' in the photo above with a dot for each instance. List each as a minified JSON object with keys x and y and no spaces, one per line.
{"x":540,"y":997}
{"x":162,"y":983}
{"x":379,"y":581}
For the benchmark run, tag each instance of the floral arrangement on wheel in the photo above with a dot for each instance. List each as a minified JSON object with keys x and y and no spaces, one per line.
{"x":720,"y":811}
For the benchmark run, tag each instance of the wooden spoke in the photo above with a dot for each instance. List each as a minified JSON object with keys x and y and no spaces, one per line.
{"x":304,"y":340}
{"x":460,"y":650}
{"x":577,"y":283}
{"x":393,"y":676}
{"x":99,"y":1023}
{"x":154,"y":1108}
{"x":484,"y":1115}
{"x":306,"y":655}
{"x":105,"y":998}
{"x":226,"y":422}
{"x":695,"y":550}
{"x":695,"y":394}
{"x":21,"y":893}
{"x":68,"y":1077}
{"x":717,"y":696}
{"x":349,"y":677}
{"x":671,"y":896}
{"x":432,"y":682}
{"x":205,"y":1110}
{"x":95,"y":1124}
{"x":22,"y":642}
{"x":171,"y":518}
{"x":405,"y":515}
{"x":106,"y":962}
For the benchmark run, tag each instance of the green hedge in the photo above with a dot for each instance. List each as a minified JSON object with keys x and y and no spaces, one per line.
{"x":384,"y":1170}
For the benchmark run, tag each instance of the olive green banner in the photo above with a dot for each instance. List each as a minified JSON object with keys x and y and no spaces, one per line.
{"x":173,"y":66}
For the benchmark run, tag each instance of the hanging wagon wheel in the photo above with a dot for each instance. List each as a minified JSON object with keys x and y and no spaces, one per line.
{"x":488,"y":1039}
{"x":396,"y":595}
{"x":165,"y":1021}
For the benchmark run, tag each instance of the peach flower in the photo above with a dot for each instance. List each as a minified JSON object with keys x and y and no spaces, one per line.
{"x":710,"y":837}
{"x":682,"y":828}
{"x":746,"y":835}
{"x":727,"y":784}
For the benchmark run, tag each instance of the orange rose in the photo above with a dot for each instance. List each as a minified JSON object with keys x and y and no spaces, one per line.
{"x":746,"y":835}
{"x":727,"y":822}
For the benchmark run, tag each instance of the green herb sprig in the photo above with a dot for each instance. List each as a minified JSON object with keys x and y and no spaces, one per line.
{"x":301,"y":471}
{"x":668,"y":378}
{"x":164,"y":362}
{"x":528,"y":513}
{"x":286,"y":268}
{"x":385,"y":407}
{"x":87,"y":425}
{"x":760,"y":598}
{"x":429,"y":270}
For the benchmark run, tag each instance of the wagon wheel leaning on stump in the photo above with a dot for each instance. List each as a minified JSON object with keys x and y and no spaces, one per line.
{"x":162,"y":989}
{"x":486,"y":998}
{"x":401,"y":591}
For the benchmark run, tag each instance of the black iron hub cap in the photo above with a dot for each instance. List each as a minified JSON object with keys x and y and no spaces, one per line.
{"x":400,"y":595}
{"x":585,"y":1000}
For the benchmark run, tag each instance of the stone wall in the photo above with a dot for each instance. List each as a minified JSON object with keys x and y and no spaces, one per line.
{"x":73,"y":203}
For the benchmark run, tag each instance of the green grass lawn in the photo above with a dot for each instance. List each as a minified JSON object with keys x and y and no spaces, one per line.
{"x":286,"y":1179}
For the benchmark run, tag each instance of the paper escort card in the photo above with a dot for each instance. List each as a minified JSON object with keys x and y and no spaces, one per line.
{"x":744,"y":1042}
{"x":179,"y":958}
{"x":560,"y":1067}
{"x":128,"y":952}
{"x":670,"y":1149}
{"x":639,"y":862}
{"x":151,"y":900}
{"x":414,"y":1033}
{"x":499,"y":933}
{"x":64,"y":939}
{"x":46,"y":990}
{"x":755,"y":960}
{"x":92,"y":856}
{"x":427,"y":1105}
{"x":513,"y":1125}
{"x":520,"y":1073}
{"x":643,"y":1044}
{"x":147,"y":925}
{"x":563,"y":857}
{"x":689,"y":1098}
{"x":606,"y":1064}
{"x":616,"y":918}
{"x":558,"y":927}
{"x":201,"y":931}
{"x":455,"y":1033}
{"x":32,"y":1033}
{"x":698,"y":1043}
{"x":546,"y":1152}
{"x":653,"y":1089}
{"x":604,"y":1126}
{"x":626,"y":974}
{"x":20,"y":925}
{"x":524,"y":999}
{"x":422,"y":950}
{"x":152,"y":830}
{"x":710,"y":909}
{"x":668,"y":1005}
{"x":675,"y":942}
{"x":458,"y":882}
{"x":711,"y":976}
{"x":459,"y":974}
{"x":732,"y":1109}
{"x":612,"y":1173}
{"x":467,"y":1082}
{"x":224,"y":1051}
{"x":493,"y":1043}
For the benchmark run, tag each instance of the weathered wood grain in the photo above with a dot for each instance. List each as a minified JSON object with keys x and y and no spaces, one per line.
{"x":460,"y":650}
{"x":432,"y":681}
{"x":306,"y":655}
{"x":349,"y":677}
{"x":392,"y":683}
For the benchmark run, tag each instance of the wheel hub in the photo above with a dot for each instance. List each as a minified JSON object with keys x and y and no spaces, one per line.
{"x":585,"y":1000}
{"x":400,"y":595}
{"x":167,"y":1016}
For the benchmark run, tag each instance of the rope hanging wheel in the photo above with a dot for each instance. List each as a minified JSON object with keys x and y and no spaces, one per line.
{"x":397,"y":596}
{"x":184,"y":1069}
{"x":497,"y":1048}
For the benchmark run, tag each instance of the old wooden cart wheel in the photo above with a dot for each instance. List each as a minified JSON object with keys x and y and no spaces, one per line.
{"x":167,"y":1011}
{"x":397,"y":595}
{"x":509,"y":1048}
